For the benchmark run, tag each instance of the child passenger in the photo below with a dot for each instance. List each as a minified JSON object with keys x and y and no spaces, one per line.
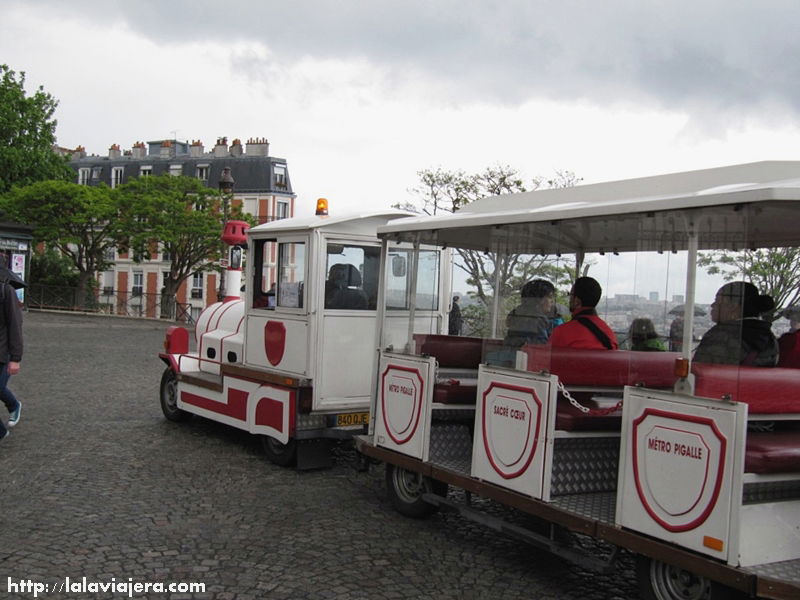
{"x":642,"y":337}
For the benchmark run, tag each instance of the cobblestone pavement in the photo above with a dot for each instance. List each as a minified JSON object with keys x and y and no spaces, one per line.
{"x":97,"y":484}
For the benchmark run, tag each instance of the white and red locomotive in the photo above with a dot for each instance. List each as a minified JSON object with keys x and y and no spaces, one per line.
{"x":289,"y":361}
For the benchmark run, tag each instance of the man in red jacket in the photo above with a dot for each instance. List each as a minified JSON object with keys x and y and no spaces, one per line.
{"x":586,"y":329}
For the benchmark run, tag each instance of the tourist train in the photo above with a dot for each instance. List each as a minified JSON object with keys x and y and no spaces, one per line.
{"x":692,"y":467}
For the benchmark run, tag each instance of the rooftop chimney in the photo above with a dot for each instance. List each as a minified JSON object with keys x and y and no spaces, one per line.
{"x":257,"y":147}
{"x":167,"y":149}
{"x":236,"y":147}
{"x":221,"y":149}
{"x":139,"y":150}
{"x":113,"y":151}
{"x":196,"y":149}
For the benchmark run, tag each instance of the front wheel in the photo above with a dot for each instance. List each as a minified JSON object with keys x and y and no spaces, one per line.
{"x":169,"y":398}
{"x":406,"y":488}
{"x":283,"y":455}
{"x":660,"y":581}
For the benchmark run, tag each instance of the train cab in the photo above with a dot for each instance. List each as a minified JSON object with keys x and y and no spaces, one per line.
{"x":287,"y":354}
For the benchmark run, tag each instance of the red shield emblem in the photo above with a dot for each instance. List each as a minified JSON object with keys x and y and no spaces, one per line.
{"x":401,"y":402}
{"x":511,"y":417}
{"x":678,"y":467}
{"x":274,"y":341}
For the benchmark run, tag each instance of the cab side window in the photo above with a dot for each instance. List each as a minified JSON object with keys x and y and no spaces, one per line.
{"x":352,"y":277}
{"x":264,"y":285}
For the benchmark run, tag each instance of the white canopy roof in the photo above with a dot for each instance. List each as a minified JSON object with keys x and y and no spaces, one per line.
{"x":349,"y":221}
{"x":749,"y":205}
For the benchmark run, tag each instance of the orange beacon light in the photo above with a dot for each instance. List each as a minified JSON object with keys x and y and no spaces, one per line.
{"x":322,"y":207}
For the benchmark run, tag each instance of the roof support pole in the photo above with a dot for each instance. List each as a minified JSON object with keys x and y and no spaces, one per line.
{"x":412,"y":294}
{"x":496,"y":299}
{"x":686,"y":385}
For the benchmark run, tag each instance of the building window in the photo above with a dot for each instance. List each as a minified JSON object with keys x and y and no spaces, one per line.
{"x":282,"y":209}
{"x":108,"y":283}
{"x":280,"y":176}
{"x":116,"y":176}
{"x":145,"y":171}
{"x":176,"y":170}
{"x":138,"y":283}
{"x":202,"y":173}
{"x":109,"y":254}
{"x":83,"y":176}
{"x":197,"y":285}
{"x":96,"y":172}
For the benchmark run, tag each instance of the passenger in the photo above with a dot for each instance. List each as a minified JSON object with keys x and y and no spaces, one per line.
{"x":642,"y":337}
{"x":676,"y":334}
{"x":586,"y":329}
{"x":559,"y":310}
{"x":740,"y":336}
{"x":343,"y":288}
{"x":789,"y":343}
{"x":532,"y":321}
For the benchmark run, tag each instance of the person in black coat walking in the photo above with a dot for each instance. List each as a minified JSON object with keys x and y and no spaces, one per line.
{"x":10,"y":344}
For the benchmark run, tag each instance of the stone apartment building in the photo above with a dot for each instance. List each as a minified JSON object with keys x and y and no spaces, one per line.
{"x":261,"y":187}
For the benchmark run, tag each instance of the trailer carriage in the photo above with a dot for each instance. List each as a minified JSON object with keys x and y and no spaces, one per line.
{"x":695,"y":468}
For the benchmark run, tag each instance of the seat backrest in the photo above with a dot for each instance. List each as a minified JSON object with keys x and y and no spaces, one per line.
{"x":348,"y":299}
{"x":604,"y":368}
{"x":766,"y":390}
{"x":451,"y":351}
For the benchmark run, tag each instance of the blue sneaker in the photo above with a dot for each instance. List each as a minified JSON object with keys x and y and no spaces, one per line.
{"x":13,"y":418}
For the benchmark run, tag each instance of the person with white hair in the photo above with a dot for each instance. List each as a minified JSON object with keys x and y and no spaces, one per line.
{"x":789,"y":343}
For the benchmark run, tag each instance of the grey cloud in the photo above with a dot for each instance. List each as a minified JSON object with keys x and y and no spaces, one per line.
{"x":698,"y":55}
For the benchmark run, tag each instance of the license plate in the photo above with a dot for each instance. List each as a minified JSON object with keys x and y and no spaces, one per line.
{"x":349,"y":419}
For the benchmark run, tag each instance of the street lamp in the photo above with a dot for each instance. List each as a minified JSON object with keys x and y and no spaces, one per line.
{"x":226,"y":183}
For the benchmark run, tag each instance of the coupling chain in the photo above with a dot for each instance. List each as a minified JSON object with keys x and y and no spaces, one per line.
{"x":598,"y":412}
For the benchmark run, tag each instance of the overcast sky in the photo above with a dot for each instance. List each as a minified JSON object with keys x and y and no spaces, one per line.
{"x":360,"y":95}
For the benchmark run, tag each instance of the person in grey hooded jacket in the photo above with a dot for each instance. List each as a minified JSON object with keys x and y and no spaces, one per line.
{"x":740,"y":336}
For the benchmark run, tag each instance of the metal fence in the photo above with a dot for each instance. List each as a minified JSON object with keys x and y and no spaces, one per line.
{"x":152,"y":306}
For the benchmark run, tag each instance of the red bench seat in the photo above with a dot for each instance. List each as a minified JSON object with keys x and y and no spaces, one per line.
{"x":772,"y":452}
{"x":764,"y":390}
{"x":604,"y":368}
{"x":569,"y":418}
{"x":454,"y":393}
{"x":451,"y":351}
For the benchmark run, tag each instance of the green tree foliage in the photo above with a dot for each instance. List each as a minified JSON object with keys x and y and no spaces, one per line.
{"x":441,"y":191}
{"x":774,"y":271}
{"x":27,"y":134}
{"x":180,"y":213}
{"x":52,"y":268}
{"x":81,"y":222}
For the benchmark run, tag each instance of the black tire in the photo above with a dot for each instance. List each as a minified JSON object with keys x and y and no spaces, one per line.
{"x":406,"y":488}
{"x":169,"y":398}
{"x":283,"y":455}
{"x":660,"y":581}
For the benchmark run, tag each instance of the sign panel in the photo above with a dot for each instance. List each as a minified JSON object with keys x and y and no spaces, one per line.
{"x":678,"y":468}
{"x":403,"y":407}
{"x":510,"y":443}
